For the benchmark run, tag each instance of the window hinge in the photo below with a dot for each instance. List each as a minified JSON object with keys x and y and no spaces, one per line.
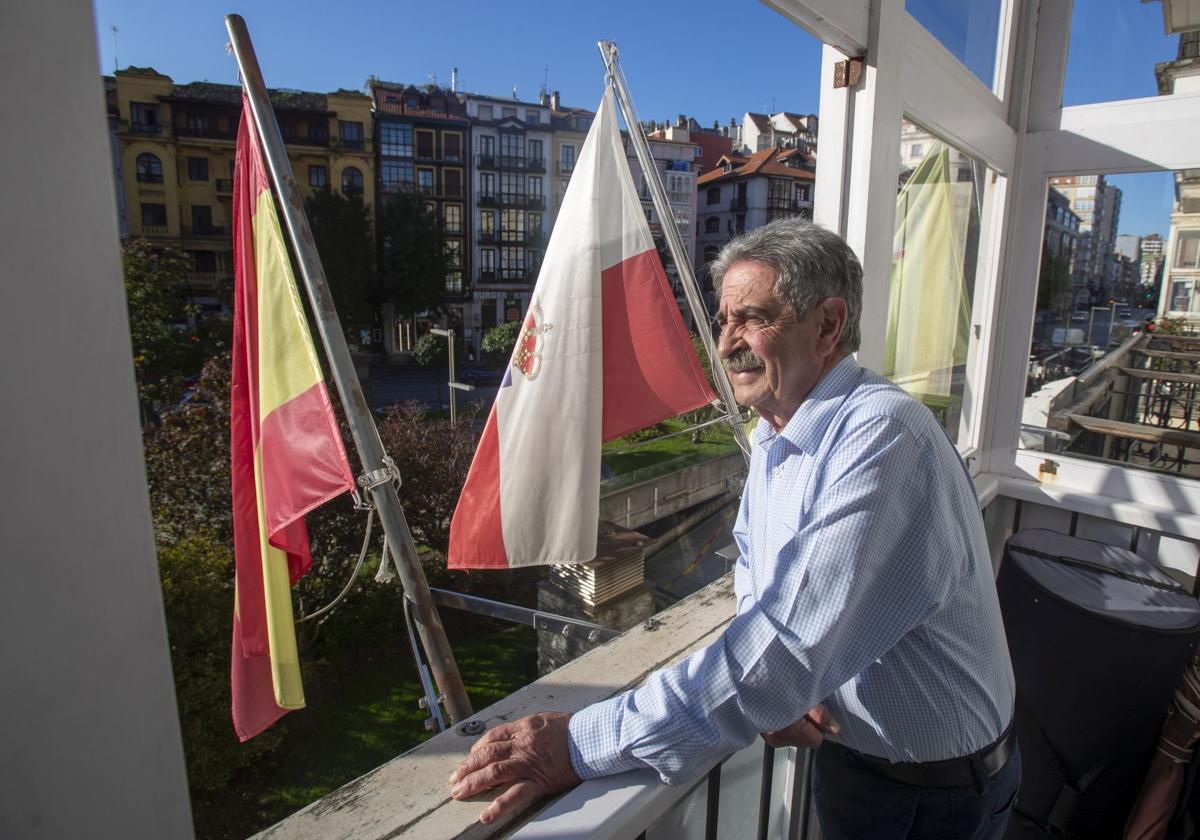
{"x":847,"y":73}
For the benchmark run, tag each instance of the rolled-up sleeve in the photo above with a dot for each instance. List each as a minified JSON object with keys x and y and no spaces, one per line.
{"x":848,"y":580}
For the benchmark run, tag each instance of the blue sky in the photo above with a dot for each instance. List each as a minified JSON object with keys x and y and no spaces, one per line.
{"x":706,"y":59}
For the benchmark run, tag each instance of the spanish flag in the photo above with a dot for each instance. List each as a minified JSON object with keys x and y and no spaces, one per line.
{"x":286,"y":452}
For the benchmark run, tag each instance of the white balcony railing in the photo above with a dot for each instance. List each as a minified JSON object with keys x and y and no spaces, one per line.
{"x":754,"y":793}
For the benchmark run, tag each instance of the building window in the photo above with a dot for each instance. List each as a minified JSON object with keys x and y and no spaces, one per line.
{"x":803,"y":193}
{"x":454,"y":282}
{"x":566,"y":160}
{"x":512,"y":226}
{"x":487,"y":185}
{"x":512,"y":147}
{"x":712,"y":225}
{"x":205,"y":262}
{"x":197,"y":169}
{"x":511,"y":184}
{"x":395,"y":140}
{"x":318,"y":176}
{"x":424,"y":144}
{"x":487,"y":222}
{"x":485,"y":112}
{"x":452,"y":146}
{"x":508,"y":113}
{"x":535,"y":186}
{"x":425,"y":181}
{"x":154,"y":215}
{"x":452,"y":182}
{"x":1187,"y":252}
{"x":351,"y":134}
{"x":202,"y":219}
{"x":396,"y":175}
{"x":196,"y":123}
{"x":713,"y":196}
{"x":535,"y":152}
{"x":487,"y":263}
{"x":535,"y":223}
{"x":149,"y":169}
{"x":452,"y":218}
{"x":454,"y":251}
{"x":143,"y":118}
{"x":352,"y":180}
{"x":487,"y":146}
{"x":532,"y":117}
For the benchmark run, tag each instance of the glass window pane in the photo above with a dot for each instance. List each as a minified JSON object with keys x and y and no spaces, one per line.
{"x":1111,"y":295}
{"x":934,"y":254}
{"x":969,"y":29}
{"x":1114,"y":47}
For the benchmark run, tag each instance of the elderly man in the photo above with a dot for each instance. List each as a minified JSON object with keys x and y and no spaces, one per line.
{"x":864,"y":588}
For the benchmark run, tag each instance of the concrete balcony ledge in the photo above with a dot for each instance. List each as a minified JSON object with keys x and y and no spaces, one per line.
{"x":409,"y":798}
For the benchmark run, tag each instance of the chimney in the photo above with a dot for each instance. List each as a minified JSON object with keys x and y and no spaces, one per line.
{"x":554,"y":103}
{"x":543,"y":97}
{"x":454,"y":80}
{"x":681,"y":121}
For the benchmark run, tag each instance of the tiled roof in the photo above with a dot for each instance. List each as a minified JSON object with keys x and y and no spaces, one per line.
{"x":761,"y":122}
{"x":393,"y":98}
{"x":766,"y":162}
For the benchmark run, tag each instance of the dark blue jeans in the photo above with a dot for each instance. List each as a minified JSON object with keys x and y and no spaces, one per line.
{"x":854,"y":802}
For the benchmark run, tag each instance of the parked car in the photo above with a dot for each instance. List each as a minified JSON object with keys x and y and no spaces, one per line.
{"x":476,"y":374}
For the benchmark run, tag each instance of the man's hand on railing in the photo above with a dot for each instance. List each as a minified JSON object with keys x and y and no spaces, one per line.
{"x":529,"y":757}
{"x":809,"y":731}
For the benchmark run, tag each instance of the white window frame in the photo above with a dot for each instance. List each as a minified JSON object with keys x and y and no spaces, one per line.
{"x":1020,"y":129}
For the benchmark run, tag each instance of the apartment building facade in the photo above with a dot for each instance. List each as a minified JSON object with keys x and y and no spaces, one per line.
{"x":742,"y":194}
{"x":509,"y":174}
{"x":176,"y":146}
{"x":423,"y":146}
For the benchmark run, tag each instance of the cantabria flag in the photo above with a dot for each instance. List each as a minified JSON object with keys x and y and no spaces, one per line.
{"x":603,"y":351}
{"x":286,"y":452}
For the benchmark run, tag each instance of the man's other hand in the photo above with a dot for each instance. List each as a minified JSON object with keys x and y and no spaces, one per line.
{"x":529,"y":757}
{"x":809,"y":731}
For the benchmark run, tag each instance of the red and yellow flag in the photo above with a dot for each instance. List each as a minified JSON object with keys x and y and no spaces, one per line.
{"x":285,"y":449}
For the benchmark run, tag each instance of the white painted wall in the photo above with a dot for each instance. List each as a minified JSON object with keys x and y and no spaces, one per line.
{"x":88,"y":729}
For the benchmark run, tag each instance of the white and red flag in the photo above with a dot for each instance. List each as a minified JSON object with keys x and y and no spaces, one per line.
{"x":603,"y":352}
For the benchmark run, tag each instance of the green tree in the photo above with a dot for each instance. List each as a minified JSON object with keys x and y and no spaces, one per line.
{"x":499,"y":341}
{"x":430,"y":351}
{"x":413,"y":269}
{"x":1054,"y":284}
{"x":169,"y":343}
{"x":341,"y":227}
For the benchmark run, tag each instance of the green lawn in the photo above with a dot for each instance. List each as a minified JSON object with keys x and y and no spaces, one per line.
{"x":634,"y":461}
{"x":359,"y":720}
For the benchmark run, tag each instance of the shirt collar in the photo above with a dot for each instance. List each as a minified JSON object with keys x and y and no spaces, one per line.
{"x":812,"y":418}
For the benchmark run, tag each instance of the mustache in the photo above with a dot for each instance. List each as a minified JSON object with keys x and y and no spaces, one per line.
{"x":742,"y":361}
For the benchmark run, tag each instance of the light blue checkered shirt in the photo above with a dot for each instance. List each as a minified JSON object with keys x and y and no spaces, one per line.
{"x":864,"y":581}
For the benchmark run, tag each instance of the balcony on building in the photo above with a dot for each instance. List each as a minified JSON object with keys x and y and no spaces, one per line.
{"x":205,"y":231}
{"x":518,"y":163}
{"x":566,"y":167}
{"x":536,"y":165}
{"x":485,"y":161}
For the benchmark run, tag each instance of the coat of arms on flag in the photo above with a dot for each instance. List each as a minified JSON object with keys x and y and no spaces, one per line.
{"x":608,"y":349}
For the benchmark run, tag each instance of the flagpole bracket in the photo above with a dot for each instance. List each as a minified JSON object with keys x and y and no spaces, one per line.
{"x":370,"y":480}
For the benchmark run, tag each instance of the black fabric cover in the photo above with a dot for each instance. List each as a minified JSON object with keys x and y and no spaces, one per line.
{"x":1097,"y":657}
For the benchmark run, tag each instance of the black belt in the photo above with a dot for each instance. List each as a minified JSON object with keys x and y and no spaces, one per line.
{"x":952,"y":772}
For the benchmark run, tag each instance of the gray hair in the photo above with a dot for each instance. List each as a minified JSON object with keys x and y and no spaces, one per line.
{"x":810,"y":265}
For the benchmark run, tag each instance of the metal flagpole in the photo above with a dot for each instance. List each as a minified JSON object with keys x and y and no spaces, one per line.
{"x":379,"y":469}
{"x":683,"y":264}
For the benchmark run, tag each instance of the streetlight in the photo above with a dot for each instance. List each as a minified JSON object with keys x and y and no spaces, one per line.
{"x":449,"y":336}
